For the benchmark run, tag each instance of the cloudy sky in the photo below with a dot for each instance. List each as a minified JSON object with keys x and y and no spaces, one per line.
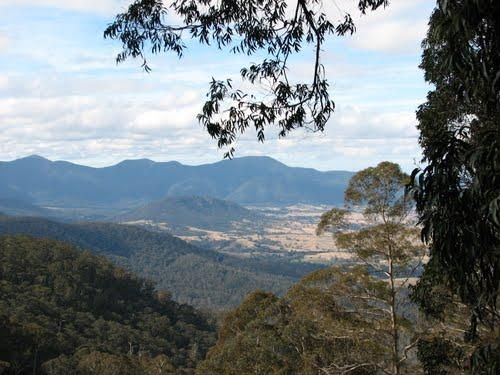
{"x":63,"y":97}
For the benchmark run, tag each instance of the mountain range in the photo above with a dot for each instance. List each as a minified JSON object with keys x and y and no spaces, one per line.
{"x":133,"y":183}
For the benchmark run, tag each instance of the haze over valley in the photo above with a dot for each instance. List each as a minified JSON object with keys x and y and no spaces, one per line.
{"x":254,"y":230}
{"x":246,"y":207}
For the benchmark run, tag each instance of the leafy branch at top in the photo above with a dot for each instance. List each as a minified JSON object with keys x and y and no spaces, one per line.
{"x":248,"y":28}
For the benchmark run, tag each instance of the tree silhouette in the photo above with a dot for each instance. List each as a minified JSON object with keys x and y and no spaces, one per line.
{"x":277,"y":28}
{"x":458,"y":191}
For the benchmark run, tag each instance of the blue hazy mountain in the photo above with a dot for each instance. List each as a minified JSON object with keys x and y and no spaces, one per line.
{"x":132,"y":183}
{"x":17,"y":207}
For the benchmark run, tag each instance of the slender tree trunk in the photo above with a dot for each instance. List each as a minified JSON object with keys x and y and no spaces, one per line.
{"x":394,"y":322}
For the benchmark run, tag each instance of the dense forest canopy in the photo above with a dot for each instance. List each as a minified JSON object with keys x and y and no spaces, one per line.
{"x":66,"y":311}
{"x":458,"y":192}
{"x":320,"y":326}
{"x":200,"y":277}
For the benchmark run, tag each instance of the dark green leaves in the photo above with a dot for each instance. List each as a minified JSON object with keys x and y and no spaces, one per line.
{"x":248,"y":28}
{"x":60,"y":307}
{"x":457,"y":191}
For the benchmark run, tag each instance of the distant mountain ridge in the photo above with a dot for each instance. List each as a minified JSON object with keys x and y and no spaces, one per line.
{"x":132,"y":183}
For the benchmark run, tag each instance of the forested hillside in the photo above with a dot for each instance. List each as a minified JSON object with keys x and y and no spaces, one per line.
{"x":192,"y":211}
{"x":333,"y":322}
{"x":64,"y":311}
{"x":319,"y":326}
{"x":17,"y":207}
{"x":196,"y":276}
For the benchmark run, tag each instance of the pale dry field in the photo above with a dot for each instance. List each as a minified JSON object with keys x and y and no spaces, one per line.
{"x":284,"y":231}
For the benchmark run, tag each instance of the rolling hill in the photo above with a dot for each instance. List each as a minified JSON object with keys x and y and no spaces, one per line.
{"x":196,"y":276}
{"x":16,"y":207}
{"x":64,"y":311}
{"x":191,"y":211}
{"x":133,"y":183}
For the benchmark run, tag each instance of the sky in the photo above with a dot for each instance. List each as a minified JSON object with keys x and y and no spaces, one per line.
{"x":63,"y":97}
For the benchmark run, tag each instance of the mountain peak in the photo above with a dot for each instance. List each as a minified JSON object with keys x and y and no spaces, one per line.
{"x":134,"y":163}
{"x":137,"y":161}
{"x":35,"y":157}
{"x":252,"y":180}
{"x":256,"y":158}
{"x":252,"y":162}
{"x":31,"y":159}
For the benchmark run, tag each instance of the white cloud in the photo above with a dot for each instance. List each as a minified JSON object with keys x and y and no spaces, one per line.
{"x":106,"y":7}
{"x":4,"y":83}
{"x":395,"y":36}
{"x":399,"y":28}
{"x":327,"y":152}
{"x":74,"y":104}
{"x":106,"y":129}
{"x":354,"y":122}
{"x":4,"y":43}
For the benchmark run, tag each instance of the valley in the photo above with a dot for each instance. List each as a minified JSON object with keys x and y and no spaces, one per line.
{"x":206,"y":242}
{"x":195,"y":275}
{"x":286,"y":232}
{"x":248,"y":207}
{"x":210,"y":234}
